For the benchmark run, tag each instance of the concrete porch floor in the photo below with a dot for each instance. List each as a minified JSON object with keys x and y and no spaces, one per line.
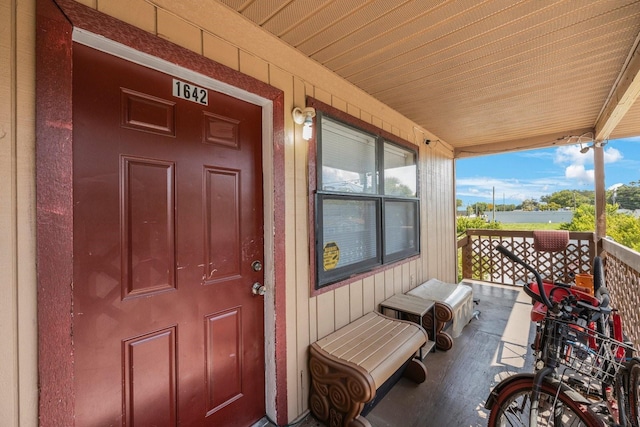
{"x":459,"y":380}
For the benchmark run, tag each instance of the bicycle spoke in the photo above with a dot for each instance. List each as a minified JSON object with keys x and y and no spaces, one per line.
{"x":554,"y":408}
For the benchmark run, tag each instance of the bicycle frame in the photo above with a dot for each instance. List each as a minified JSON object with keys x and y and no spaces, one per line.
{"x":550,"y":301}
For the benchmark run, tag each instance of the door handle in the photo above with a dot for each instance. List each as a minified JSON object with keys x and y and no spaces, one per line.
{"x":258,"y":289}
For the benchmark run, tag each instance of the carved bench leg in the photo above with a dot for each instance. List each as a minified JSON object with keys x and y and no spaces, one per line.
{"x":416,"y":371}
{"x":338,"y":391}
{"x":444,"y":314}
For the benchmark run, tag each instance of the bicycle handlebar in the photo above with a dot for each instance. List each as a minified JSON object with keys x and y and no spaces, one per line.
{"x":513,"y":257}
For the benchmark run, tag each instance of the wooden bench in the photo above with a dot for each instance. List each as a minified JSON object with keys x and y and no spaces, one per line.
{"x":352,"y":368}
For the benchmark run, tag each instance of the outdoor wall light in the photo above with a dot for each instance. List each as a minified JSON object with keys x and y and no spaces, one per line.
{"x":586,"y":148}
{"x":304,"y":116}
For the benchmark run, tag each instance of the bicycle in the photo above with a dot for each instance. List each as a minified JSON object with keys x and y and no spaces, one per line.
{"x":583,"y":376}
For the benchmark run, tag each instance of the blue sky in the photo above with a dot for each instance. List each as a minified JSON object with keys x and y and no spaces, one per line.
{"x":535,"y":173}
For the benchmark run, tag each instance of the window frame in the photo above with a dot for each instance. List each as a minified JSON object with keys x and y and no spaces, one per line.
{"x":336,"y":277}
{"x":340,"y":273}
{"x":406,"y":253}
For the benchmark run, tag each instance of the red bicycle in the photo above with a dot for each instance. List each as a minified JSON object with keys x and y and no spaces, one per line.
{"x":583,"y":375}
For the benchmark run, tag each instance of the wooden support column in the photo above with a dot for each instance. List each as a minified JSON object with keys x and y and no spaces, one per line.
{"x":601,"y":199}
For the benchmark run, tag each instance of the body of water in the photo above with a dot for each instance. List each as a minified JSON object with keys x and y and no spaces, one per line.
{"x":512,"y":217}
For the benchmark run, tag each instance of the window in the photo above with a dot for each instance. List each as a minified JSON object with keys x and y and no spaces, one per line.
{"x":367,"y":210}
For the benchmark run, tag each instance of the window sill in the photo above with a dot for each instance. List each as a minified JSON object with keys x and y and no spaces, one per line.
{"x":360,"y":276}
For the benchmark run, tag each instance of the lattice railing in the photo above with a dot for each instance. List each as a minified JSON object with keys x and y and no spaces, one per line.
{"x":623,"y":281}
{"x":480,"y":261}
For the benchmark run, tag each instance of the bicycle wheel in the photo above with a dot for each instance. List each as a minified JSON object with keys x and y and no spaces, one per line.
{"x":634,"y":390}
{"x":620,"y":387}
{"x":513,"y":404}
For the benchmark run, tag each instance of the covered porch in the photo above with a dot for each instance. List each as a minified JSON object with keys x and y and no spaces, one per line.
{"x":498,"y":342}
{"x":447,"y":79}
{"x":491,"y":347}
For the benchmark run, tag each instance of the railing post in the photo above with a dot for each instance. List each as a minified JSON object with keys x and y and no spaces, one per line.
{"x":600,"y":196}
{"x":466,"y":258}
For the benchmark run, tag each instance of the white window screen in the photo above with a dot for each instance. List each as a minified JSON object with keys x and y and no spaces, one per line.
{"x":400,"y":230}
{"x":350,"y":226}
{"x":348,"y":159}
{"x":399,"y":171}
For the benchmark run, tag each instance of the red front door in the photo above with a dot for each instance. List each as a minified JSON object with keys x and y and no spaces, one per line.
{"x":168,"y":238}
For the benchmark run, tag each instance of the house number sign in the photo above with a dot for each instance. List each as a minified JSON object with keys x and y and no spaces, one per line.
{"x":190,"y":92}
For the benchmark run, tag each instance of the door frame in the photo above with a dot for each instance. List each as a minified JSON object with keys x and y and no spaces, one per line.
{"x":60,"y":24}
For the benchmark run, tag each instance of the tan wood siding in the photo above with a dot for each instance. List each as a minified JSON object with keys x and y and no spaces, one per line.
{"x":221,"y":35}
{"x":18,"y":354}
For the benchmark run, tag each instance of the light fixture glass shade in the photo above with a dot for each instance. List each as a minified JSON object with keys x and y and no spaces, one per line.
{"x":307,"y":129}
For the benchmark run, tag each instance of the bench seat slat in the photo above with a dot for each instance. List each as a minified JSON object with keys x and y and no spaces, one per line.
{"x":353,"y":329}
{"x":358,"y":339}
{"x":379,"y":342}
{"x":376,"y":343}
{"x":382,"y":364}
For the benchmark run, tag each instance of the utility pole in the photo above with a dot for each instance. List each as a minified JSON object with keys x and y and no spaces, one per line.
{"x":494,"y":204}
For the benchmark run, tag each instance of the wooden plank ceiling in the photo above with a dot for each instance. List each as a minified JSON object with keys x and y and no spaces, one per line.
{"x":484,"y":76}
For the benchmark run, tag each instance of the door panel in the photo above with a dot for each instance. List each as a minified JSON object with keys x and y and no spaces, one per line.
{"x":150,"y":379}
{"x":148,"y":226}
{"x":167,"y":221}
{"x":222,"y":225}
{"x":224,"y":359}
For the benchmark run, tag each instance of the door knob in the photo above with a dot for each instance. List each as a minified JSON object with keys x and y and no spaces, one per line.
{"x":258,"y":289}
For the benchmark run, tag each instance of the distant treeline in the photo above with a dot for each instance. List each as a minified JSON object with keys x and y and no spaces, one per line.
{"x":626,"y":196}
{"x":621,"y":227}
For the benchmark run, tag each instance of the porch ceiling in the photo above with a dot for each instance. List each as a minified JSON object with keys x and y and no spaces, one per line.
{"x":484,"y":76}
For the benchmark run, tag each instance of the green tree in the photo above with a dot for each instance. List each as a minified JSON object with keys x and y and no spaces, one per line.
{"x":479,"y":208}
{"x":584,"y":219}
{"x":529,"y":205}
{"x":624,"y":229}
{"x":550,"y":206}
{"x":570,"y":198}
{"x":393,"y":185}
{"x":627,"y":196}
{"x":503,"y":208}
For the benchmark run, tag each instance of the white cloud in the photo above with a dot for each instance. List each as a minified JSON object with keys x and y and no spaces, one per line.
{"x":571,"y":154}
{"x":576,"y":162}
{"x":611,"y":155}
{"x":580,"y":174}
{"x":509,"y":189}
{"x":615,"y":186}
